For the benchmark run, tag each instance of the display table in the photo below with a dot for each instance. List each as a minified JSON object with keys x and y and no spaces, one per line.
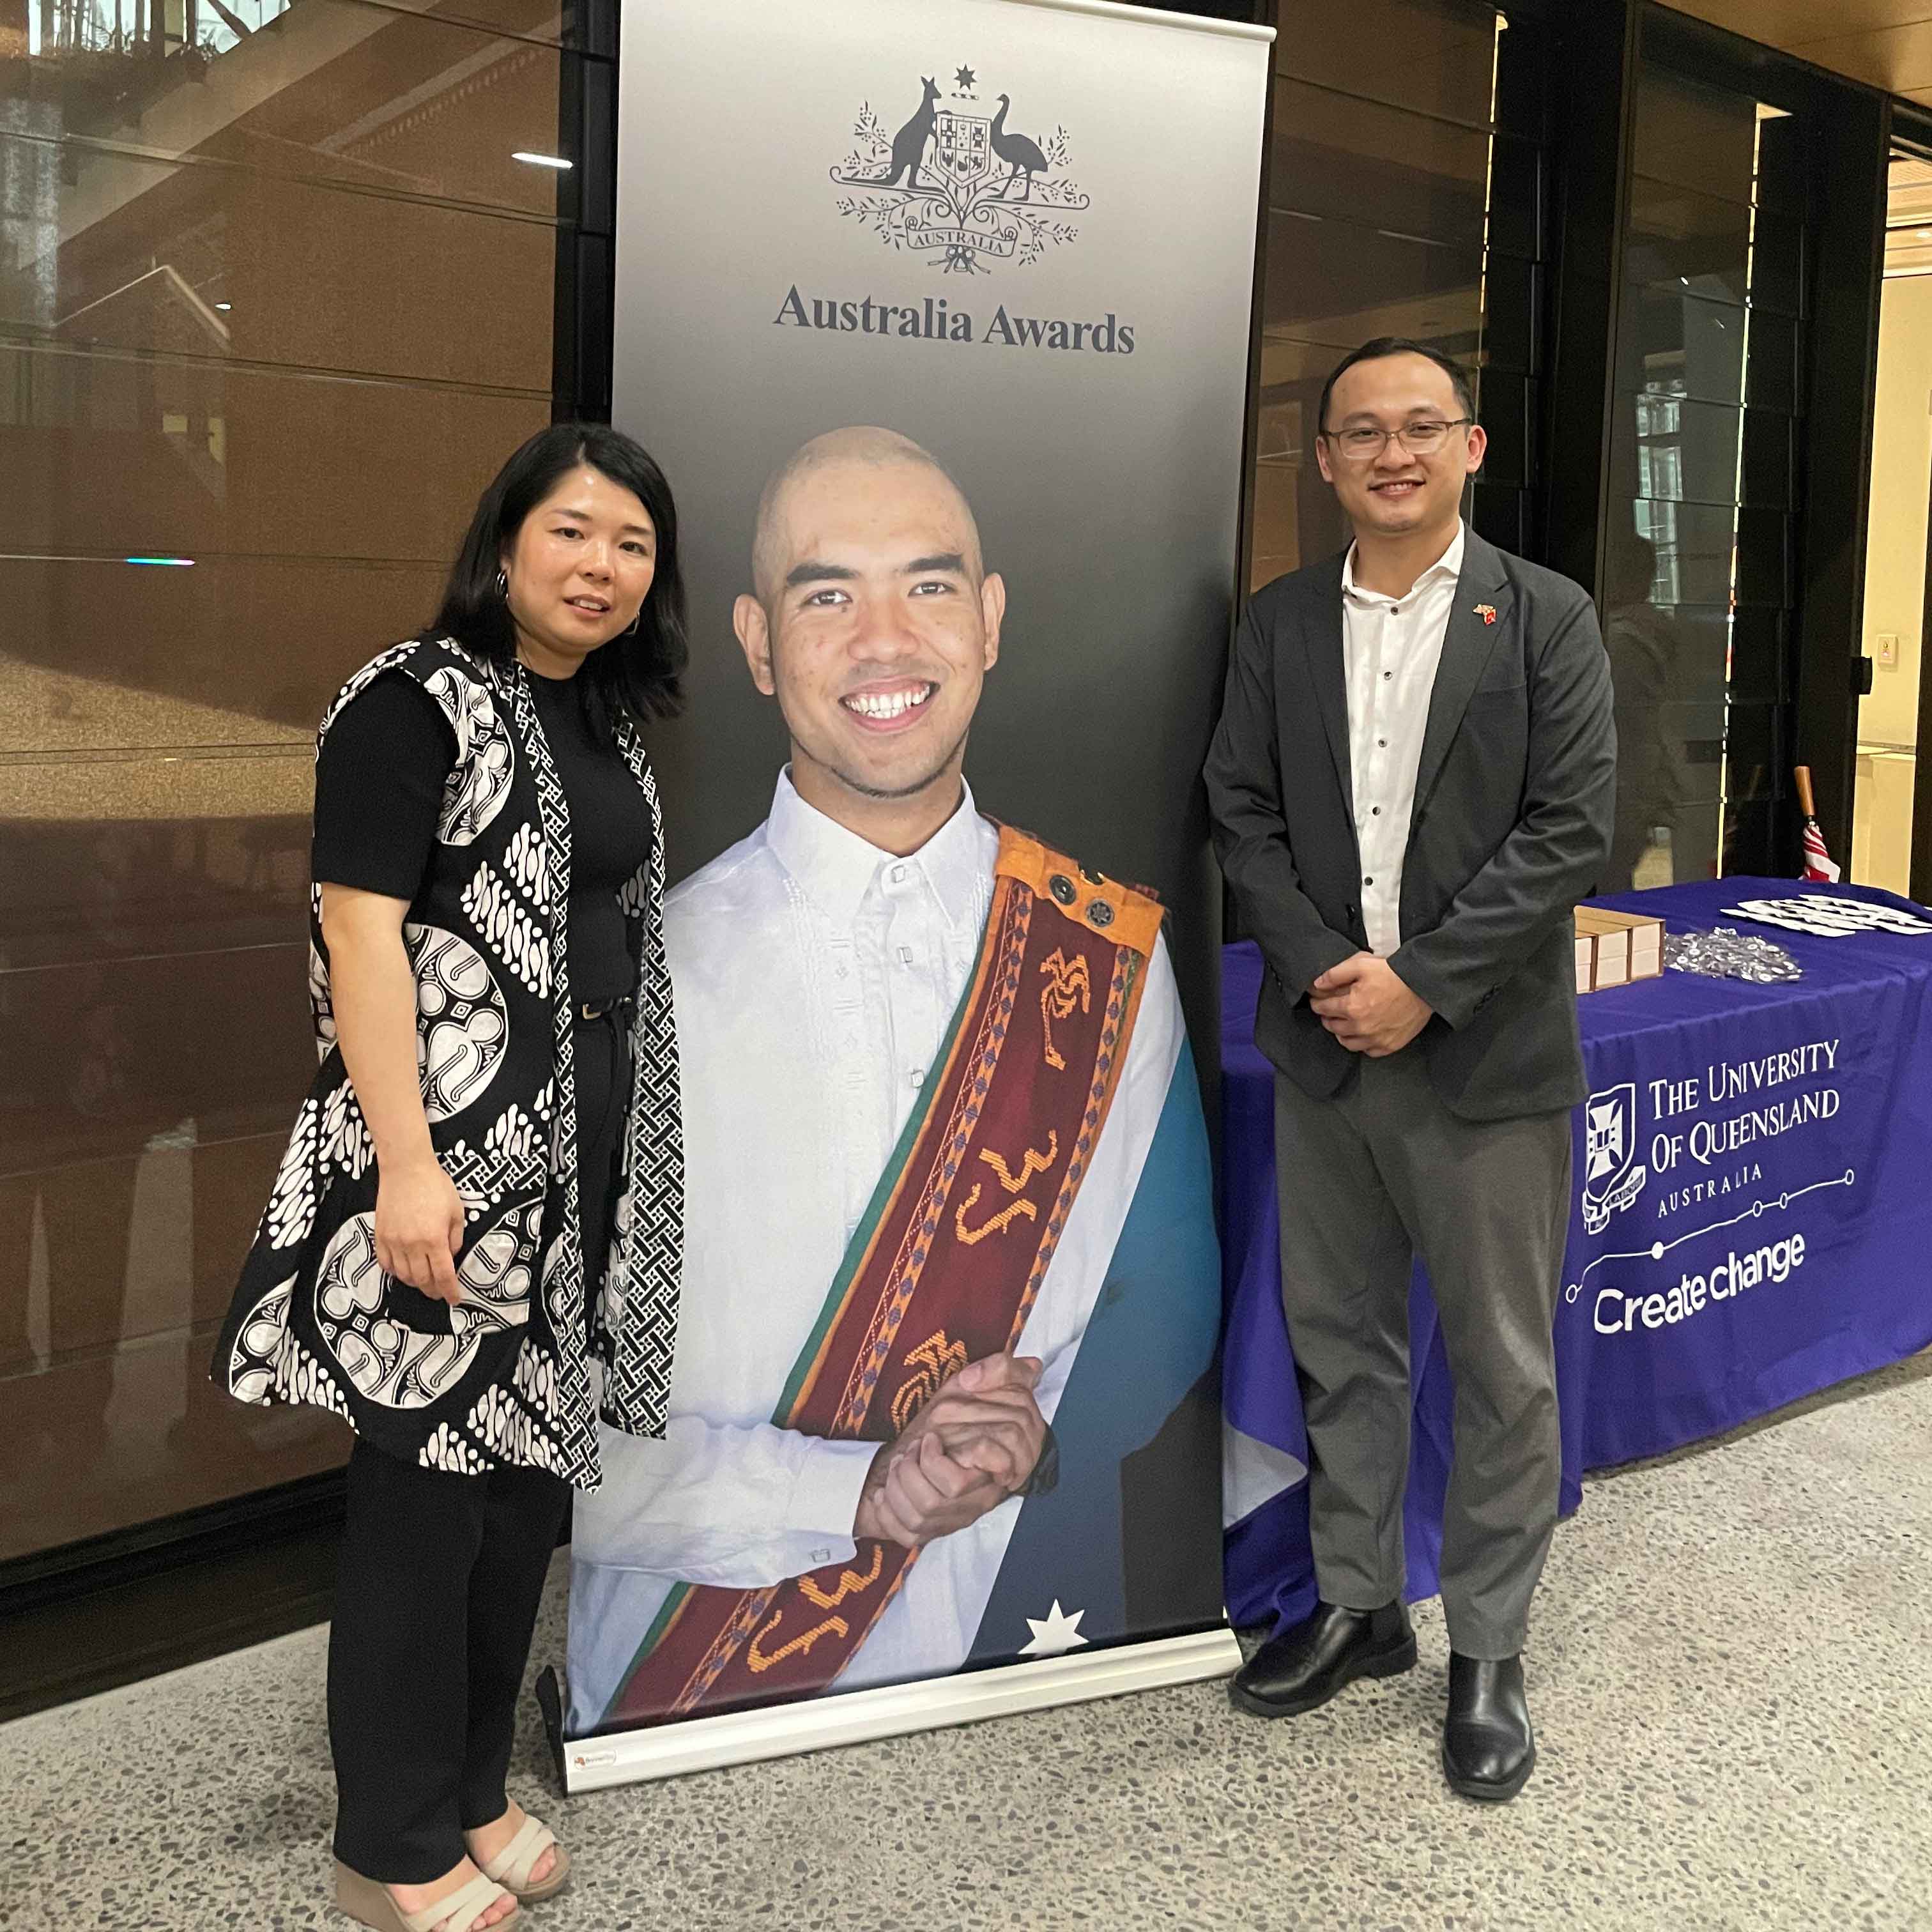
{"x":1753,"y":1222}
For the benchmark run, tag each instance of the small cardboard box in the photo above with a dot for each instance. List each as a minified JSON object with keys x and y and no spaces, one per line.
{"x":1615,"y":948}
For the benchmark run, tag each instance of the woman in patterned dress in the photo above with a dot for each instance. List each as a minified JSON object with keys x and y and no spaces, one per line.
{"x":482,"y":1195}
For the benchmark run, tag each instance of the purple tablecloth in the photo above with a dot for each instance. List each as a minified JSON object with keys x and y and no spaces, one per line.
{"x":1753,"y":1222}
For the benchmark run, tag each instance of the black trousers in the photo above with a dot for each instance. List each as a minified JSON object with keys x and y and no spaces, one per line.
{"x":438,"y":1584}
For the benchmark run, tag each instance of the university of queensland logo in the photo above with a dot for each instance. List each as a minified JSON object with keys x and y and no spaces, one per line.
{"x":965,"y":187}
{"x":1612,"y":1181}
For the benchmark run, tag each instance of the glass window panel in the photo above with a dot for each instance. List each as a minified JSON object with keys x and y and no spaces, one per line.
{"x":1692,"y":545}
{"x":192,"y":456}
{"x":1693,"y":241}
{"x":1448,"y":57}
{"x":1296,"y":519}
{"x":1698,"y":640}
{"x":212,"y":257}
{"x":1686,"y":452}
{"x":1699,"y":137}
{"x":1288,"y":360}
{"x":1279,"y":487}
{"x":144,"y":1101}
{"x":102,"y":1439}
{"x":100,"y":1054}
{"x":406,"y":104}
{"x":1337,"y":155}
{"x":94,"y":52}
{"x":154,"y":879}
{"x":1695,"y":847}
{"x":1700,"y":730}
{"x":221,"y":263}
{"x":1672,"y":344}
{"x":1330,"y":281}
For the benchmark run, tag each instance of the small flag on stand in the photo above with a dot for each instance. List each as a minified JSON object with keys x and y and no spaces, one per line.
{"x":1819,"y":869}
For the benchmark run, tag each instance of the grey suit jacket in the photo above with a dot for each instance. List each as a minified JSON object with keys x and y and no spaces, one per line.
{"x":1514,"y":802}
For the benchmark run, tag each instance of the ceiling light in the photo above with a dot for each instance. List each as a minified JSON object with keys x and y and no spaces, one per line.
{"x":169,"y":563}
{"x":542,"y":161}
{"x":224,"y":307}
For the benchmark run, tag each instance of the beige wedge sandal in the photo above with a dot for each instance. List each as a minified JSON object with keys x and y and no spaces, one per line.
{"x":370,"y":1904}
{"x":512,"y":1867}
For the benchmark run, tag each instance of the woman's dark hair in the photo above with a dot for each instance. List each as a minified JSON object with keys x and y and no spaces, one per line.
{"x":1398,"y":345}
{"x":635,"y":675}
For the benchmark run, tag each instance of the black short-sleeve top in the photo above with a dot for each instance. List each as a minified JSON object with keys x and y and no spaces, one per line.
{"x":378,"y":787}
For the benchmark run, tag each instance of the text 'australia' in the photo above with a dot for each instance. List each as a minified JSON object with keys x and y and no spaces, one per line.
{"x":932,"y":319}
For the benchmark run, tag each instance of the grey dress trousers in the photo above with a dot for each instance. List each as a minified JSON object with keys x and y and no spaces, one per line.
{"x":1382,"y":1172}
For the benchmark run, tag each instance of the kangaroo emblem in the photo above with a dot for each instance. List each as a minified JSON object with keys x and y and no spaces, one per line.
{"x":909,"y":143}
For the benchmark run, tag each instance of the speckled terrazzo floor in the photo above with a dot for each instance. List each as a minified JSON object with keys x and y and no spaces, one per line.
{"x":1728,"y":1676}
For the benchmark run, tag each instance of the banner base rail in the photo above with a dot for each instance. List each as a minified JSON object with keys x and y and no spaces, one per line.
{"x":858,"y":1717}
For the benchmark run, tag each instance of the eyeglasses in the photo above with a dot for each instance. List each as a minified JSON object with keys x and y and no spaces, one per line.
{"x":1419,"y":439}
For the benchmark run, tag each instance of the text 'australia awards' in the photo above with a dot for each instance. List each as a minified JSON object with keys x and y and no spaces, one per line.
{"x":932,"y":319}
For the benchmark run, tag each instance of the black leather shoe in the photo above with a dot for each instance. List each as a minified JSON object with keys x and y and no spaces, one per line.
{"x":1306,"y":1664}
{"x":1488,"y":1751}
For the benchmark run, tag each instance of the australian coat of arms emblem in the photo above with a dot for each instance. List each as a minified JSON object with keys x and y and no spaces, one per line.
{"x":966,"y":187}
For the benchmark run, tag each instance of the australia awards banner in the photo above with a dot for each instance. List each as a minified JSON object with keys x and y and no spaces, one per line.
{"x":937,"y":317}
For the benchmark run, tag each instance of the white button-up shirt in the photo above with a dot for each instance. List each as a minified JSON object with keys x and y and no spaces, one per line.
{"x":1391,"y":646}
{"x":815,"y":977}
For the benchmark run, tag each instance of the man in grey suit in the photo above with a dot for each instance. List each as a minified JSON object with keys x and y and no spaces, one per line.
{"x":1412,"y":784}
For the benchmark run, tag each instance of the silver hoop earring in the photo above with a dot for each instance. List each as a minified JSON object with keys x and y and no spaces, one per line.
{"x":630,"y":630}
{"x":503,"y":587}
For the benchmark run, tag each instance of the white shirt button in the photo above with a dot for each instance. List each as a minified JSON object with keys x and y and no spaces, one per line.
{"x":917,"y":1078}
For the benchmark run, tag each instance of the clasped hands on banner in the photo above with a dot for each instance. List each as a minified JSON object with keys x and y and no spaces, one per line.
{"x":973,"y":1445}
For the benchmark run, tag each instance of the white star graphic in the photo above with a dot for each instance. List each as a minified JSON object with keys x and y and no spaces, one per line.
{"x":1053,"y":1632}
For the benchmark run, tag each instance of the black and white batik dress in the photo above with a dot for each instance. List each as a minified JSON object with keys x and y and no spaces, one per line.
{"x":503,"y":1376}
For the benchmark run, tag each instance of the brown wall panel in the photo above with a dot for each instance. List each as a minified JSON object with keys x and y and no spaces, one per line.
{"x":270,"y":640}
{"x":186,"y":458}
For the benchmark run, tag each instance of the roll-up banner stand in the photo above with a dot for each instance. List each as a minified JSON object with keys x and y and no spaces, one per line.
{"x":1021,"y":234}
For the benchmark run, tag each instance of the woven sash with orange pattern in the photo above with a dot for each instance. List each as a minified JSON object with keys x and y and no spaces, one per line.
{"x":944,"y":1267}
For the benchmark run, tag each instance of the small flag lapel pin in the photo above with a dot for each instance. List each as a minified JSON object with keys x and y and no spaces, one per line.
{"x":1487,"y":612}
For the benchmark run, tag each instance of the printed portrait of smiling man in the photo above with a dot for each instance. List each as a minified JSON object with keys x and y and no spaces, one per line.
{"x":873,"y":622}
{"x":928,"y":1312}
